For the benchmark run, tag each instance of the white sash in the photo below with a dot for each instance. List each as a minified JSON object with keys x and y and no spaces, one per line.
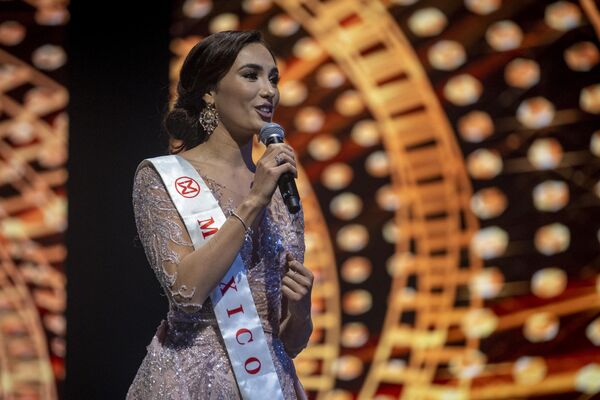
{"x":232,"y":300}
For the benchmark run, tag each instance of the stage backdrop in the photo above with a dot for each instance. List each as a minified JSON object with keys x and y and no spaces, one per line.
{"x":450,"y":174}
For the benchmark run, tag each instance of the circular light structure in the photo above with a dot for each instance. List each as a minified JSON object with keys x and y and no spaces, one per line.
{"x":330,"y":76}
{"x":283,"y":25}
{"x":309,"y":119}
{"x":551,"y":195}
{"x":346,"y":206}
{"x":349,"y":103}
{"x":447,"y":55}
{"x":592,"y":332}
{"x":479,"y":323}
{"x":356,"y":302}
{"x":356,"y":269}
{"x":354,"y":335}
{"x":522,"y":73}
{"x":352,"y":238}
{"x":487,"y":283}
{"x":387,"y":199}
{"x":489,"y":242}
{"x":427,"y":22}
{"x":541,"y":327}
{"x":587,"y":379}
{"x":536,"y":112}
{"x":468,"y":364}
{"x":475,"y":126}
{"x":463,"y":90}
{"x":292,"y":93}
{"x":529,"y":370}
{"x":552,"y":239}
{"x":483,"y":7}
{"x":484,"y":164}
{"x":224,"y":22}
{"x":49,"y":57}
{"x":348,"y":367}
{"x":12,"y":33}
{"x":562,"y":15}
{"x":545,"y":153}
{"x":582,"y":56}
{"x":365,"y":133}
{"x":595,"y":144}
{"x":307,"y":48}
{"x":337,"y":176}
{"x":377,"y":164}
{"x":548,"y":282}
{"x":504,"y":35}
{"x":324,"y":147}
{"x":488,"y":203}
{"x":256,"y":6}
{"x":197,"y":8}
{"x":589,"y":99}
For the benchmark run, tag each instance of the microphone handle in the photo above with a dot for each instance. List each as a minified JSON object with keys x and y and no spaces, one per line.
{"x":287,"y":185}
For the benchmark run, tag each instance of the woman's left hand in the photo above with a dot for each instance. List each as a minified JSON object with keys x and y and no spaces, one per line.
{"x":297,"y":287}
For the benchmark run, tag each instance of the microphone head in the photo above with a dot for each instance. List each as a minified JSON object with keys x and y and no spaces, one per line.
{"x":269,"y":130}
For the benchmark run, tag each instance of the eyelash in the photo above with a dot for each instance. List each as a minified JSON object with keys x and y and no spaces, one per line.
{"x":253,"y":75}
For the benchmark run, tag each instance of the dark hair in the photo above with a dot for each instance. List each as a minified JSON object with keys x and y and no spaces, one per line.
{"x":204,"y":66}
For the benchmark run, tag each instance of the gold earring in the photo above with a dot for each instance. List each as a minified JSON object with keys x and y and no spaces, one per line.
{"x":209,"y":118}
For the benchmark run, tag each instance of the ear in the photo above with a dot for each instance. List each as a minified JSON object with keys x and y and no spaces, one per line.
{"x":209,"y":97}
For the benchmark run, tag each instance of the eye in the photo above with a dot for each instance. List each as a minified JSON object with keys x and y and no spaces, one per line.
{"x":275,"y":79}
{"x":250,"y":75}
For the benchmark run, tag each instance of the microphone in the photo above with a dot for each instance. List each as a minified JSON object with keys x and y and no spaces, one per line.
{"x":273,"y":133}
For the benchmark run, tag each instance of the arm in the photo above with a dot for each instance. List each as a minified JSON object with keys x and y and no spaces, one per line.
{"x":190,"y":275}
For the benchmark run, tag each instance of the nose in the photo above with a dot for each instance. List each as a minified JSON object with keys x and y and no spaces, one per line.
{"x":267,"y":90}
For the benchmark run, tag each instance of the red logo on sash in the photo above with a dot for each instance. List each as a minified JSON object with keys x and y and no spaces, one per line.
{"x":187,"y":187}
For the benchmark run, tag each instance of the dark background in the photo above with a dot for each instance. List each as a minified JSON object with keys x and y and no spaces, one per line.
{"x":118,"y":80}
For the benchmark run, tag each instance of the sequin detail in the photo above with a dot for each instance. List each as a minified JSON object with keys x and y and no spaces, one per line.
{"x":187,"y":359}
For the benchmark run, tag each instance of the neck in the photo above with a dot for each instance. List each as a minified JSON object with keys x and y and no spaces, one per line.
{"x":223,"y":147}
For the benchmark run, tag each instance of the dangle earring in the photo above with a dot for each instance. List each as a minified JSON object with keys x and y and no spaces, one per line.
{"x":209,"y":118}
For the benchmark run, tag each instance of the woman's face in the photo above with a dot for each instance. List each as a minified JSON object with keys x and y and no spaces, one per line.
{"x":247,"y":95}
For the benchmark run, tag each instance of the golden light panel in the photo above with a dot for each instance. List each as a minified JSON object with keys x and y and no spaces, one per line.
{"x":224,"y":22}
{"x":582,"y":56}
{"x":330,"y":76}
{"x":49,"y":57}
{"x":356,"y":269}
{"x":352,"y":238}
{"x":548,"y":282}
{"x":307,"y":48}
{"x":256,"y":6}
{"x":346,"y":206}
{"x":446,"y":55}
{"x":529,"y":370}
{"x":550,"y":195}
{"x":337,"y":176}
{"x":489,"y":242}
{"x":541,"y":327}
{"x":427,"y":22}
{"x":283,"y":25}
{"x":484,"y":164}
{"x":483,"y":7}
{"x":522,"y":73}
{"x":324,"y":147}
{"x":377,"y":164}
{"x":354,"y":335}
{"x":356,"y":302}
{"x":365,"y":133}
{"x":197,"y":8}
{"x":487,"y":283}
{"x":463,"y":90}
{"x":562,"y":15}
{"x":468,"y":364}
{"x":309,"y":119}
{"x":479,"y":323}
{"x":589,"y":99}
{"x":587,"y":379}
{"x":536,"y":112}
{"x":488,"y":203}
{"x":592,"y":332}
{"x":504,"y":35}
{"x":292,"y":93}
{"x":552,"y":239}
{"x":349,"y":103}
{"x":475,"y":126}
{"x":387,"y":199}
{"x":348,"y":367}
{"x":12,"y":33}
{"x":545,"y":153}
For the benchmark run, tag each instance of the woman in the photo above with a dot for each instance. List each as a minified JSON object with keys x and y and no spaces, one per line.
{"x":227,"y":91}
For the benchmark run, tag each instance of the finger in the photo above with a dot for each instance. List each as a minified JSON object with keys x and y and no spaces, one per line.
{"x":300,"y":269}
{"x":295,"y":286}
{"x":290,"y":294}
{"x":301,"y":280}
{"x":283,"y":158}
{"x":286,"y":167}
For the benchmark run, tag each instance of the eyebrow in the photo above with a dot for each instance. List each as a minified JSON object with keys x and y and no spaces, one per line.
{"x":258,"y":67}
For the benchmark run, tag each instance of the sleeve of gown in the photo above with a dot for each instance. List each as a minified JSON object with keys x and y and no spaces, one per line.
{"x":163,"y":235}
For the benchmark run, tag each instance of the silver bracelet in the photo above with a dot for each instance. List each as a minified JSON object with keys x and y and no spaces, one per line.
{"x":248,"y":231}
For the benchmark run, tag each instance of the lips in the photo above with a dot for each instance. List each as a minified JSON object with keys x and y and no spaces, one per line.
{"x":265,"y":111}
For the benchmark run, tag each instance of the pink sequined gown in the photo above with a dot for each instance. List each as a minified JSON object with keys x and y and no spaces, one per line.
{"x":186,"y":358}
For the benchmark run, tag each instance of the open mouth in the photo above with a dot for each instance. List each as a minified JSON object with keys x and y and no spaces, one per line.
{"x":265,"y":112}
